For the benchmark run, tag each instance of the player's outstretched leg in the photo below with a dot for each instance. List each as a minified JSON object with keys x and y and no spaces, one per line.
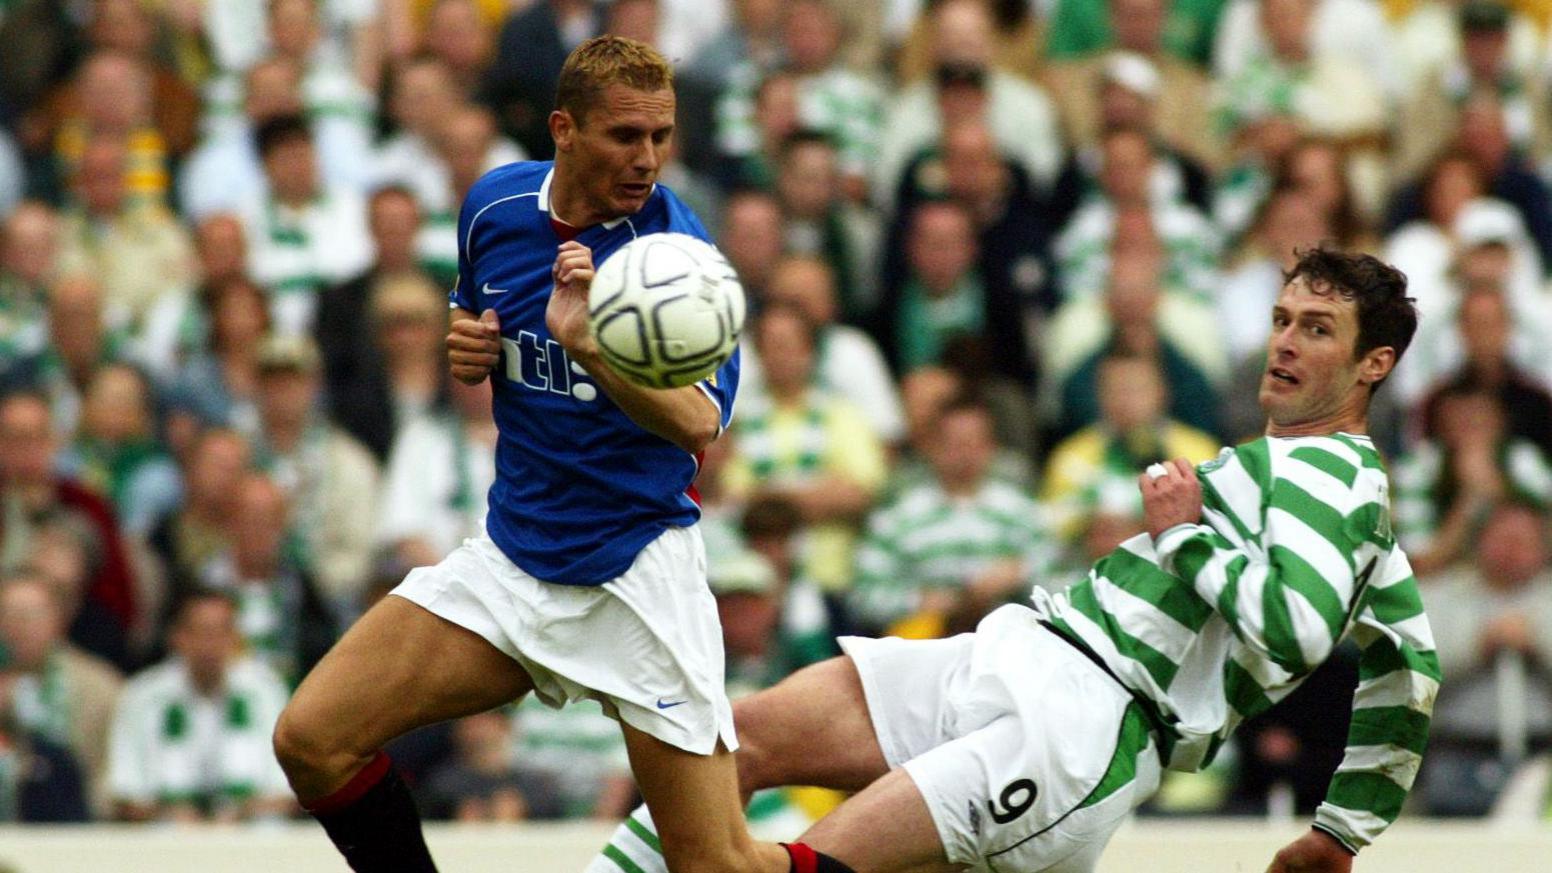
{"x":812,"y":728}
{"x":398,"y":668}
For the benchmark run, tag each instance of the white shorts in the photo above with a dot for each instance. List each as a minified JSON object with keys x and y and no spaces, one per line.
{"x":1028,"y":754}
{"x":647,"y":645}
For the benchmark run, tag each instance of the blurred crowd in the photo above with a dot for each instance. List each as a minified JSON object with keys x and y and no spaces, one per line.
{"x":1002,"y":254}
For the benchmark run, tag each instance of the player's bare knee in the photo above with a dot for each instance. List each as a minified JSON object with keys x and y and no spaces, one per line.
{"x":304,"y":746}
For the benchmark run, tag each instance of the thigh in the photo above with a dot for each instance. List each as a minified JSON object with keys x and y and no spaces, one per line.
{"x":812,"y":728}
{"x":399,"y":667}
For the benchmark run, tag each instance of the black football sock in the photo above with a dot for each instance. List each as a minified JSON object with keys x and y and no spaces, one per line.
{"x":806,"y":860}
{"x":373,"y":822}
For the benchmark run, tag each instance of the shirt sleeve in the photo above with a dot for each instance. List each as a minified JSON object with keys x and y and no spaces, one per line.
{"x":722,"y":389}
{"x":464,"y":293}
{"x":1398,"y":677}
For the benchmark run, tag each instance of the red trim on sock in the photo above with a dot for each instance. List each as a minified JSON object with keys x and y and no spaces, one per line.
{"x":804,"y":859}
{"x":359,"y":784}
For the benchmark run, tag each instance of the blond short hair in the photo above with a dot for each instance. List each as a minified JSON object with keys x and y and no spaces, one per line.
{"x":608,"y":60}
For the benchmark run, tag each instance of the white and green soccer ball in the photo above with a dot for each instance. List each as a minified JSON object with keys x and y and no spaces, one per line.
{"x":666,"y":310}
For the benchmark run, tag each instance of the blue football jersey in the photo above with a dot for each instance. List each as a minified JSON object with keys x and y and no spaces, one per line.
{"x":580,"y":488}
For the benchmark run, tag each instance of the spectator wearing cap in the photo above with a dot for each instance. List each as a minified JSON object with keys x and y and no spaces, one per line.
{"x":749,"y":609}
{"x":966,"y":84}
{"x":190,"y":739}
{"x":1491,"y":254}
{"x":302,"y":233}
{"x":325,"y":475}
{"x":1137,"y":76}
{"x":1127,"y":90}
{"x":1481,"y":63}
{"x":1486,"y":328}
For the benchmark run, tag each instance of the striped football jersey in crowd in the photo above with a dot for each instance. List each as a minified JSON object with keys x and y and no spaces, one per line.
{"x":1221,"y":619}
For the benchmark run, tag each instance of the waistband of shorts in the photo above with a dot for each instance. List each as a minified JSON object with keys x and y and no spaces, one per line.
{"x":1163,"y":737}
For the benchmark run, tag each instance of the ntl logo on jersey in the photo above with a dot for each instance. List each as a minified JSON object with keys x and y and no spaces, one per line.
{"x":543,"y":366}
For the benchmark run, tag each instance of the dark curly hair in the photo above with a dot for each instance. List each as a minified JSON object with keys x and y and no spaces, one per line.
{"x":1386,"y":315}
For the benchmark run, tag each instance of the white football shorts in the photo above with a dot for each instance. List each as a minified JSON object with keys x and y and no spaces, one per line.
{"x":1028,"y":754}
{"x":647,"y":645}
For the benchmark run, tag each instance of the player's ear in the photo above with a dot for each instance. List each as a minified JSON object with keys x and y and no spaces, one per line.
{"x":1376,"y":364}
{"x":563,"y":129}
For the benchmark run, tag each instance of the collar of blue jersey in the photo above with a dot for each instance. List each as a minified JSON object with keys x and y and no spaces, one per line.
{"x":544,"y":201}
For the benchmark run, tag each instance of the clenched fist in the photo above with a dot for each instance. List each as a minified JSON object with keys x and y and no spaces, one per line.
{"x":1171,"y":495}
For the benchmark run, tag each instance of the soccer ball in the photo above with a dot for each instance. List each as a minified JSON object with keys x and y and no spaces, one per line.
{"x":666,"y":310}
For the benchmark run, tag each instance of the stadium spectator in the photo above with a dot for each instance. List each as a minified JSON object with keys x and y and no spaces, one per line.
{"x":821,"y":222}
{"x":437,"y":476}
{"x":849,"y":362}
{"x":944,"y":296}
{"x":1494,"y":633}
{"x":1352,"y":33}
{"x":109,"y":97}
{"x":1127,"y":210}
{"x":1486,"y":325}
{"x":188,"y":538}
{"x":468,"y":145}
{"x":749,"y":44}
{"x":520,"y":81}
{"x":459,"y":33}
{"x":1083,"y":28}
{"x":1430,"y":40}
{"x":1134,"y":430}
{"x":1322,"y":169}
{"x":227,"y":170}
{"x":1446,"y":486}
{"x":1424,"y":245}
{"x":140,"y":253}
{"x":80,"y":342}
{"x":190,"y":737}
{"x":806,"y":444}
{"x":35,"y":496}
{"x":281,"y":619}
{"x":29,"y":245}
{"x":1138,"y":77}
{"x":941,"y":555}
{"x":752,"y":239}
{"x":749,"y":610}
{"x":578,"y":750}
{"x":771,"y":528}
{"x":925,"y":392}
{"x":1492,"y":254}
{"x":1013,"y":225}
{"x":303,"y":233}
{"x":58,"y":692}
{"x":842,"y":104}
{"x":328,"y":479}
{"x":217,"y":386}
{"x":134,"y":29}
{"x":354,"y":362}
{"x":1481,"y":62}
{"x":481,"y":782}
{"x":1136,"y":317}
{"x":967,"y":83}
{"x":117,"y":453}
{"x":1289,"y":221}
{"x":42,"y":777}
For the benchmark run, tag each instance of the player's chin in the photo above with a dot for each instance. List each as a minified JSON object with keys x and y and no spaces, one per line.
{"x":630,"y":198}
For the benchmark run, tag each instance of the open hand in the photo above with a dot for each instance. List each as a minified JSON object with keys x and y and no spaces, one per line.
{"x":566,"y":314}
{"x":1172,"y":498}
{"x":474,"y":347}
